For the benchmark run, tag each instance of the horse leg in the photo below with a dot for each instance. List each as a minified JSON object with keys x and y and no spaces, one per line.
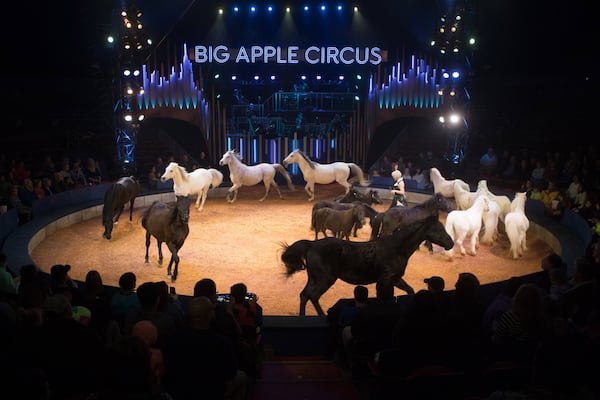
{"x":276,"y":186}
{"x":473,"y":243}
{"x":310,"y":189}
{"x":119,"y":213}
{"x":147,"y":246}
{"x":173,"y":261}
{"x":402,"y":285}
{"x":200,"y":200}
{"x":267,"y":188}
{"x":232,"y":193}
{"x":160,"y":254}
{"x":313,"y":291}
{"x":131,"y":209}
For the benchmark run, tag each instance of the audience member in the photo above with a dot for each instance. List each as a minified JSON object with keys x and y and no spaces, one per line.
{"x":147,"y":331}
{"x":152,"y":308}
{"x":125,"y":301}
{"x":7,"y":281}
{"x":153,"y":178}
{"x":61,"y":282}
{"x":500,"y":304}
{"x":200,"y":360}
{"x":127,"y":373}
{"x":520,"y":329}
{"x":488,"y":163}
{"x":95,"y":297}
{"x":92,"y":172}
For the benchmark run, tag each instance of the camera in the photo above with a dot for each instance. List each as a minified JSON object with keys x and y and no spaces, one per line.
{"x":225,"y":297}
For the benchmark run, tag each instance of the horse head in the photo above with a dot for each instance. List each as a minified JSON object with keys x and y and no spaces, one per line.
{"x":435,"y":232}
{"x":374,"y":197}
{"x":290,"y":158}
{"x":183,"y":208}
{"x":441,"y":202}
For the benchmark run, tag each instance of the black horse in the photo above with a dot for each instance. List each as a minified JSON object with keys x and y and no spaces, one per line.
{"x":168,"y":223}
{"x":369,"y":198}
{"x":359,"y":263}
{"x":119,"y":193}
{"x":385,"y":223}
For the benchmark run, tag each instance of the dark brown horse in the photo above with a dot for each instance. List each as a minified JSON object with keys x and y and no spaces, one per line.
{"x":396,"y":217}
{"x":119,"y":193}
{"x":339,"y":222}
{"x":369,"y":198}
{"x":367,"y":210}
{"x":359,"y":263}
{"x":168,"y":223}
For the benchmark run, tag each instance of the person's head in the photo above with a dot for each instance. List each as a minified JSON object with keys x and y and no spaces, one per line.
{"x":3,"y":260}
{"x":361,"y":294}
{"x":58,"y":306}
{"x":396,"y":174}
{"x":206,"y":287}
{"x":127,"y":281}
{"x":146,"y":330}
{"x":467,"y":285}
{"x":148,"y":294}
{"x":200,"y":312}
{"x":551,"y":261}
{"x":435,"y":284}
{"x":238,"y":292}
{"x":59,"y":274}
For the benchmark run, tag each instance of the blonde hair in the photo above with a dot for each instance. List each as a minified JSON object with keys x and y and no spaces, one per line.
{"x":396,"y":174}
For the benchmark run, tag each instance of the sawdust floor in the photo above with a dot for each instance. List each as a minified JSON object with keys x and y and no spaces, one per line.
{"x":241,"y":242}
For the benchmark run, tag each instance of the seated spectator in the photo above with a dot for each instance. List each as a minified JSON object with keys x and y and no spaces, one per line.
{"x":372,"y":327}
{"x":549,"y":194}
{"x":153,"y":178}
{"x":521,"y":328}
{"x":579,"y":302}
{"x":198,"y":358}
{"x":557,"y":206}
{"x":246,"y":311}
{"x":127,"y":373}
{"x":153,"y":308}
{"x":125,"y":301}
{"x":500,"y":304}
{"x":488,"y":163}
{"x":14,"y":202}
{"x":61,"y":282}
{"x":147,"y":331}
{"x":7,"y":281}
{"x":92,"y":172}
{"x":77,"y":175}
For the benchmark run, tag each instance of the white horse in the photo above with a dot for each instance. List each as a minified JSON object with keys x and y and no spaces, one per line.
{"x":516,"y":224}
{"x":444,"y":186}
{"x":314,"y":172}
{"x":464,"y":198}
{"x":196,"y":182}
{"x":242,"y":174}
{"x":463,"y":224}
{"x":490,"y":224}
{"x":503,"y":201}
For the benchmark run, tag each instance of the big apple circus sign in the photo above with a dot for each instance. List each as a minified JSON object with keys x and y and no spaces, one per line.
{"x":347,"y":55}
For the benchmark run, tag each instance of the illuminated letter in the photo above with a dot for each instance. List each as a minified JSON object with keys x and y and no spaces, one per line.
{"x":269,"y":53}
{"x":363,"y":60}
{"x":279,"y":59}
{"x":200,"y":54}
{"x":375,"y":53}
{"x":307,"y":56}
{"x":293,"y":54}
{"x":343,"y":59}
{"x":256,"y":52}
{"x":242,"y":55}
{"x":332,"y":55}
{"x":221,"y":54}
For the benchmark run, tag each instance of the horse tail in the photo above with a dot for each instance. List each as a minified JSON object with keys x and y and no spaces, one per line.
{"x":279,"y":168}
{"x":294,"y":256}
{"x":356,"y":170}
{"x":376,"y":225}
{"x":217,"y":177}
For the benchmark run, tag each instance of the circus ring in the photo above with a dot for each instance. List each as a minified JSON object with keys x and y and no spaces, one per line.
{"x":241,"y":242}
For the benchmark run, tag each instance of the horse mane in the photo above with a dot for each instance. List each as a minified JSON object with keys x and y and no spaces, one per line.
{"x":310,"y":162}
{"x":182,"y":172}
